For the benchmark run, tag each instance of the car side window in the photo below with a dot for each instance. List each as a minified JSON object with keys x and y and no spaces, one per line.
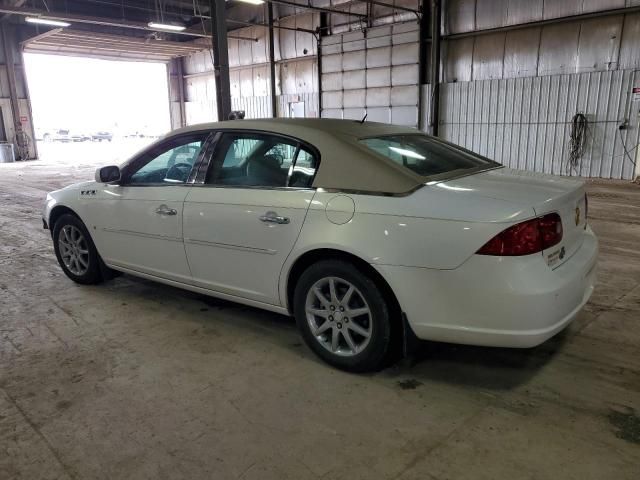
{"x":256,"y":159}
{"x":168,"y":163}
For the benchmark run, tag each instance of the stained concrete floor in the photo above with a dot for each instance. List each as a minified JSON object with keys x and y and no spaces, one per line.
{"x":137,"y":380}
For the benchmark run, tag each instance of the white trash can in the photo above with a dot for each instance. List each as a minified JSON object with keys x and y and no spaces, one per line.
{"x":7,"y":154}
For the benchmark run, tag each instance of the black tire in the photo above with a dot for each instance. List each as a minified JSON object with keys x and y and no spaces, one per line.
{"x":94,"y":271}
{"x":373,"y":355}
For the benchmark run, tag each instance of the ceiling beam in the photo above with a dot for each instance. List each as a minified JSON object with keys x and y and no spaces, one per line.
{"x":303,"y":6}
{"x":75,"y":18}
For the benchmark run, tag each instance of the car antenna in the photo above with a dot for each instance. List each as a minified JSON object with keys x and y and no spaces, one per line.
{"x":364,"y":118}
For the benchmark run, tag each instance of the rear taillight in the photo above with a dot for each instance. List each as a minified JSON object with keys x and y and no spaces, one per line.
{"x":526,"y":238}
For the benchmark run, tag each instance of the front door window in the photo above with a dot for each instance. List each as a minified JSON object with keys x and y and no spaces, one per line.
{"x":168,"y":163}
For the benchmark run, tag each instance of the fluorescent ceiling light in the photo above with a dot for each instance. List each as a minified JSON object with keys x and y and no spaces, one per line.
{"x":46,"y":21}
{"x":252,"y":2}
{"x":167,"y":26}
{"x":407,"y":153}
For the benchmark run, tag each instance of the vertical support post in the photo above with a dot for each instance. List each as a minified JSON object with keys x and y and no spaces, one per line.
{"x":272,"y":61}
{"x":175,"y":79}
{"x":181,"y":95}
{"x":13,"y":92}
{"x":321,"y":31}
{"x":436,"y":20}
{"x":423,"y":55}
{"x":220,"y":58}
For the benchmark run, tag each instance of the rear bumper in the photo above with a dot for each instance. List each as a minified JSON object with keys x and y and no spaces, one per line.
{"x":496,"y":301}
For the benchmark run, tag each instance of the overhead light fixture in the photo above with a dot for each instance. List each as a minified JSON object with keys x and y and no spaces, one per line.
{"x":166,"y":26}
{"x":47,"y":21}
{"x":252,"y":2}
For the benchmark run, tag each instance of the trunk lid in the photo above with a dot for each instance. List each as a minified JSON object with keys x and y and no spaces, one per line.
{"x":544,"y":193}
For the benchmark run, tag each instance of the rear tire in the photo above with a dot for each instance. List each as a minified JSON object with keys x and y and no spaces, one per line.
{"x":75,"y":251}
{"x":343,"y":316}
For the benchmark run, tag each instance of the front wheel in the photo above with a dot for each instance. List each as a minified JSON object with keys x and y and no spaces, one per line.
{"x":75,"y":251}
{"x":343,"y":316}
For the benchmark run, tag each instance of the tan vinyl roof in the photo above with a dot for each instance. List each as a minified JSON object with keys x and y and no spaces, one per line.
{"x":345,"y":164}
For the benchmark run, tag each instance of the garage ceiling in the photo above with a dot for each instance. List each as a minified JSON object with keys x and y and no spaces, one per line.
{"x":112,"y":47}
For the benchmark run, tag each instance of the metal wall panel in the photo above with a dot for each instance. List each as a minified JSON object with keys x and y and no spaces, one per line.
{"x":561,"y":8}
{"x":458,"y":60}
{"x":629,"y":51}
{"x":254,"y":107}
{"x":558,"y":48}
{"x":521,"y":11}
{"x":468,"y":15}
{"x":488,"y":55}
{"x":521,"y":53}
{"x":491,"y":13}
{"x":599,"y":44}
{"x":595,"y":5}
{"x":599,"y":50}
{"x":525,"y":122}
{"x":460,"y":16}
{"x":310,"y":101}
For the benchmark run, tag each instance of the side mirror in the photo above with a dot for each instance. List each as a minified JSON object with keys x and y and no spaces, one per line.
{"x":108,"y":174}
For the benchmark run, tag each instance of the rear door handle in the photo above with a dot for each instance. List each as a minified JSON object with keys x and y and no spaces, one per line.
{"x":164,"y":210}
{"x":273,"y":217}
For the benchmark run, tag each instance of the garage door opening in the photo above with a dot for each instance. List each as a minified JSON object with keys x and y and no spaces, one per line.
{"x":88,"y":110}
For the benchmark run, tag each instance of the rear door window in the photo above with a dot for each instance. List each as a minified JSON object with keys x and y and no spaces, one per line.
{"x":261,"y":160}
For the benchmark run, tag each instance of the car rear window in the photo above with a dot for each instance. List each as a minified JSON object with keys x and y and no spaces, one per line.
{"x":425,"y":156}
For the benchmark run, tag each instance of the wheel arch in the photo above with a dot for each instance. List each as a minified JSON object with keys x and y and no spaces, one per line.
{"x":57,"y":212}
{"x":312,"y":256}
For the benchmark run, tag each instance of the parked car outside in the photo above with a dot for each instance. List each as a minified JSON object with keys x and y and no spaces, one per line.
{"x":79,"y":137}
{"x":102,"y":136}
{"x":367,"y":233}
{"x":58,"y":135}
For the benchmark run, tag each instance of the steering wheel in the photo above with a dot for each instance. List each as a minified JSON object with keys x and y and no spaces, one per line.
{"x":178,"y":172}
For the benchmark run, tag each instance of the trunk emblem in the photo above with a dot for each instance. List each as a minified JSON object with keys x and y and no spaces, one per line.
{"x":577,"y":215}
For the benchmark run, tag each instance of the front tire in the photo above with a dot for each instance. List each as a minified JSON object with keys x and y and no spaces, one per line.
{"x":343,"y":316}
{"x":75,"y":251}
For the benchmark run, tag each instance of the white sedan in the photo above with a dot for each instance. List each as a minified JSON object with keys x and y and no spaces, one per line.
{"x":367,"y":233}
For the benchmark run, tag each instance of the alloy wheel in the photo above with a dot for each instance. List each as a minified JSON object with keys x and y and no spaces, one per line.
{"x":74,"y":250}
{"x":338,"y":316}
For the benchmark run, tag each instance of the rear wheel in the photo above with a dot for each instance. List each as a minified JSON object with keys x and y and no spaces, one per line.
{"x":343,"y":316}
{"x":75,"y":251}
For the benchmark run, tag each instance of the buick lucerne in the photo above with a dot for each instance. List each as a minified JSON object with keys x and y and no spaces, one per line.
{"x":364,"y":232}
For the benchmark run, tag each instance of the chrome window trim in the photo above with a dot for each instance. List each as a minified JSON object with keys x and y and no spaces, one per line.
{"x":253,"y":187}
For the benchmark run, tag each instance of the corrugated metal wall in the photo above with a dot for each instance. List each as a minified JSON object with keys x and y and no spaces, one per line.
{"x":386,"y":89}
{"x":598,"y":44}
{"x":511,"y":95}
{"x":296,"y":73}
{"x":469,"y":15}
{"x":525,"y":123}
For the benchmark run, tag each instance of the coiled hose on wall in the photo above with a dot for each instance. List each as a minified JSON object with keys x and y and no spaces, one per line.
{"x":577,"y":140}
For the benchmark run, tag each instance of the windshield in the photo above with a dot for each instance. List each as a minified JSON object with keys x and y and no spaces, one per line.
{"x":426,"y":156}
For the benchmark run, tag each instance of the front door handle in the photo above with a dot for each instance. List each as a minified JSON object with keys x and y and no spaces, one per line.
{"x":164,"y":210}
{"x":273,"y":217}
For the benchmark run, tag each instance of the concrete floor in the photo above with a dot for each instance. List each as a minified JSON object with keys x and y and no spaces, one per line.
{"x":137,"y":380}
